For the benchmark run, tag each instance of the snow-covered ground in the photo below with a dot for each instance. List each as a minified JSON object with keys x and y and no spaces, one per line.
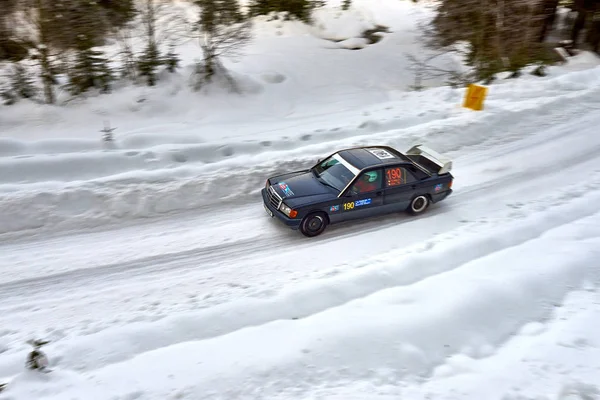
{"x":156,"y":274}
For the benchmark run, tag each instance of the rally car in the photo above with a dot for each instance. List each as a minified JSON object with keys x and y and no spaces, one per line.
{"x":357,"y":183}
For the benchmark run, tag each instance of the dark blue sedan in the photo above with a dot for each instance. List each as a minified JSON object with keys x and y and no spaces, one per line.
{"x":358,"y":183}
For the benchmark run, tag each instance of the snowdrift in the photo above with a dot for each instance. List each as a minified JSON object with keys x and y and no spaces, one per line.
{"x":141,"y":178}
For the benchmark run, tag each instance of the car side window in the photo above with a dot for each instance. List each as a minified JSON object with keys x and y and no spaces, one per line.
{"x":367,"y":182}
{"x":396,"y":176}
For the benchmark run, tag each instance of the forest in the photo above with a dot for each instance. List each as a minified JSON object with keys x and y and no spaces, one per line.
{"x":64,"y":37}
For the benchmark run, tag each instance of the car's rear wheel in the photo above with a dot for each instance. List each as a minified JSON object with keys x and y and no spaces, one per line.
{"x":418,"y":205}
{"x":313,"y":224}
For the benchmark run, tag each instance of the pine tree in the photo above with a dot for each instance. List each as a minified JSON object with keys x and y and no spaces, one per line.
{"x":45,"y":29}
{"x":301,"y":9}
{"x":229,"y":11}
{"x":90,"y":70}
{"x":10,"y":48}
{"x":150,"y":59}
{"x":262,"y":7}
{"x":118,"y":12}
{"x":148,"y":63}
{"x":171,"y":59}
{"x":502,"y":34}
{"x":346,"y":4}
{"x":220,"y":33}
{"x":22,"y":84}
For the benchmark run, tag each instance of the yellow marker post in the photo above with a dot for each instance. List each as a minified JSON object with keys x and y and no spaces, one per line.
{"x":475,"y":96}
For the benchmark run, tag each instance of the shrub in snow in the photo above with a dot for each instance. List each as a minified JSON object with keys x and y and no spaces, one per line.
{"x":151,"y":13}
{"x":108,"y":137}
{"x":171,"y":59}
{"x":21,"y":85}
{"x":37,"y":360}
{"x":8,"y":96}
{"x":300,"y":9}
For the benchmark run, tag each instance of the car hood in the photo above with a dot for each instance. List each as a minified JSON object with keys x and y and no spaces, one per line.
{"x":301,"y":186}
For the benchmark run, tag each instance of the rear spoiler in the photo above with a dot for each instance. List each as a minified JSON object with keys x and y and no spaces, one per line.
{"x":444,"y":163}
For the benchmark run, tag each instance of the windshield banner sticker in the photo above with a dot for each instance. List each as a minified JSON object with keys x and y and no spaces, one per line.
{"x":286,"y":189}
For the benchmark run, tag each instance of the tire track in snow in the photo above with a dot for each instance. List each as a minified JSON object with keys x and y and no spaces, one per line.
{"x":397,"y":334}
{"x":404,"y":269}
{"x":214,"y":255}
{"x":105,"y":283}
{"x":153,"y":194}
{"x":209,"y":257}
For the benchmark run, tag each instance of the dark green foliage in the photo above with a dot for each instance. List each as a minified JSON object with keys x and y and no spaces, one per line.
{"x":503,"y":35}
{"x":540,"y":71}
{"x":10,"y":48}
{"x":346,"y":4}
{"x":43,"y":22}
{"x":8,"y":97}
{"x":149,"y":62}
{"x":229,"y":11}
{"x":220,"y":34}
{"x":118,"y":12}
{"x":75,"y":18}
{"x":171,"y":59}
{"x":83,"y":27}
{"x":209,"y":16}
{"x":37,"y":359}
{"x":216,"y":13}
{"x":90,"y":69}
{"x":22,"y":82}
{"x":300,"y":9}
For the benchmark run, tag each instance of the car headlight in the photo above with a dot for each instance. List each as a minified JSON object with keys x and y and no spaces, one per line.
{"x":288,"y":211}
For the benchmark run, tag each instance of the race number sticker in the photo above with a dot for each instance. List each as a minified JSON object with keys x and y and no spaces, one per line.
{"x":394,"y":176}
{"x":358,"y":203}
{"x":381,"y":154}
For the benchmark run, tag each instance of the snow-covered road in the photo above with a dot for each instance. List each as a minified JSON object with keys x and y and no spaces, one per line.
{"x":209,"y":298}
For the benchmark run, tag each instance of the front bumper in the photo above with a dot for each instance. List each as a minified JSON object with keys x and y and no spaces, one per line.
{"x":274,"y":213}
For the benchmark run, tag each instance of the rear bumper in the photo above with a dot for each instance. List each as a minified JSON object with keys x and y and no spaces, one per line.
{"x":441,"y":196}
{"x":274,"y":213}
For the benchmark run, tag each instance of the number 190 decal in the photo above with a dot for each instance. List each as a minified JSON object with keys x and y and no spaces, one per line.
{"x":358,"y":203}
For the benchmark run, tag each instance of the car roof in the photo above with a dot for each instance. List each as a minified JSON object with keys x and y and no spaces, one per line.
{"x":370,"y":156}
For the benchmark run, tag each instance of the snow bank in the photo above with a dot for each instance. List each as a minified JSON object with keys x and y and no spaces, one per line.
{"x":378,"y":324}
{"x":394,"y":269}
{"x":337,"y":25}
{"x":98,"y":187}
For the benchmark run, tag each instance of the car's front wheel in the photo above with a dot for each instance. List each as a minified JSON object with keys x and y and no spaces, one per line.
{"x":313,"y":224}
{"x":418,"y":205}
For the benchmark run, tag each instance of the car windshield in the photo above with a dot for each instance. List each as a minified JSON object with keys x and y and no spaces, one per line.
{"x":333,"y":172}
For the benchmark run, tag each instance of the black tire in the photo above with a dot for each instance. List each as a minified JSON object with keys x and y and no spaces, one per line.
{"x":313,"y":224}
{"x":418,"y":205}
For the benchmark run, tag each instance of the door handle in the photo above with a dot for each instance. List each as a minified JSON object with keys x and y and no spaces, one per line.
{"x":378,"y":193}
{"x":413,"y":186}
